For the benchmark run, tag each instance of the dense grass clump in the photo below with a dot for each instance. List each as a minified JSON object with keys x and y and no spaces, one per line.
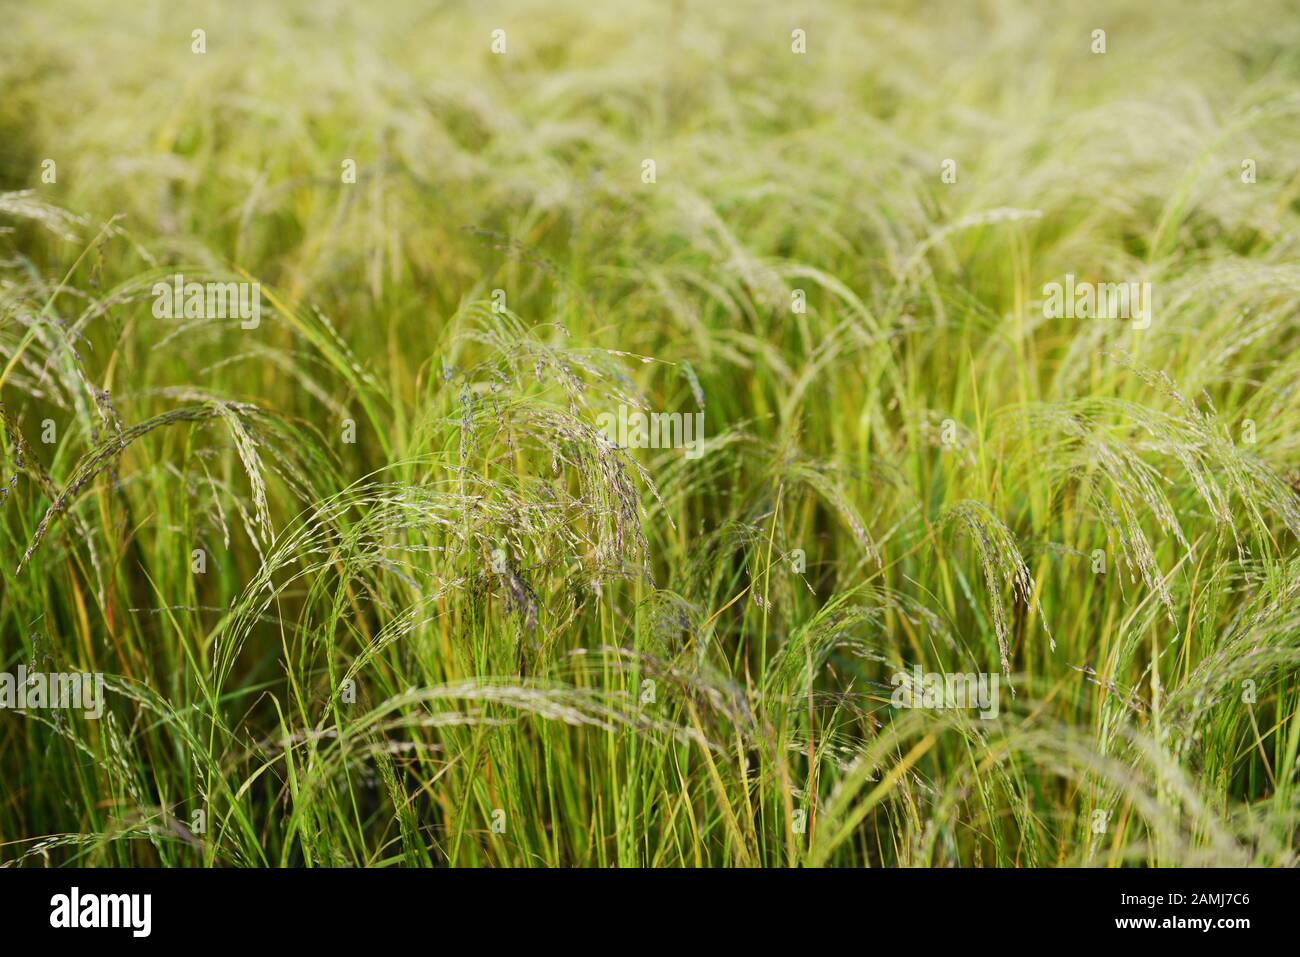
{"x":369,"y":583}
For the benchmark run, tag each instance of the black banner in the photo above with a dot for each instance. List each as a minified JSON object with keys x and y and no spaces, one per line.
{"x":338,"y":907}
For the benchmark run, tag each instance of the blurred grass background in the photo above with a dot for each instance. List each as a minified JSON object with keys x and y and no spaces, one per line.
{"x":566,"y":654}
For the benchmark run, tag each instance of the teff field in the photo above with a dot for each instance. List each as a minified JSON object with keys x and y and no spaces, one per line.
{"x":662,"y":434}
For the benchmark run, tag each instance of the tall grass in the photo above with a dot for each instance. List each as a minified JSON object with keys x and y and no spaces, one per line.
{"x":481,"y":634}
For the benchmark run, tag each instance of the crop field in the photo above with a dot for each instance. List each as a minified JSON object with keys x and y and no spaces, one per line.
{"x":651,"y":434}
